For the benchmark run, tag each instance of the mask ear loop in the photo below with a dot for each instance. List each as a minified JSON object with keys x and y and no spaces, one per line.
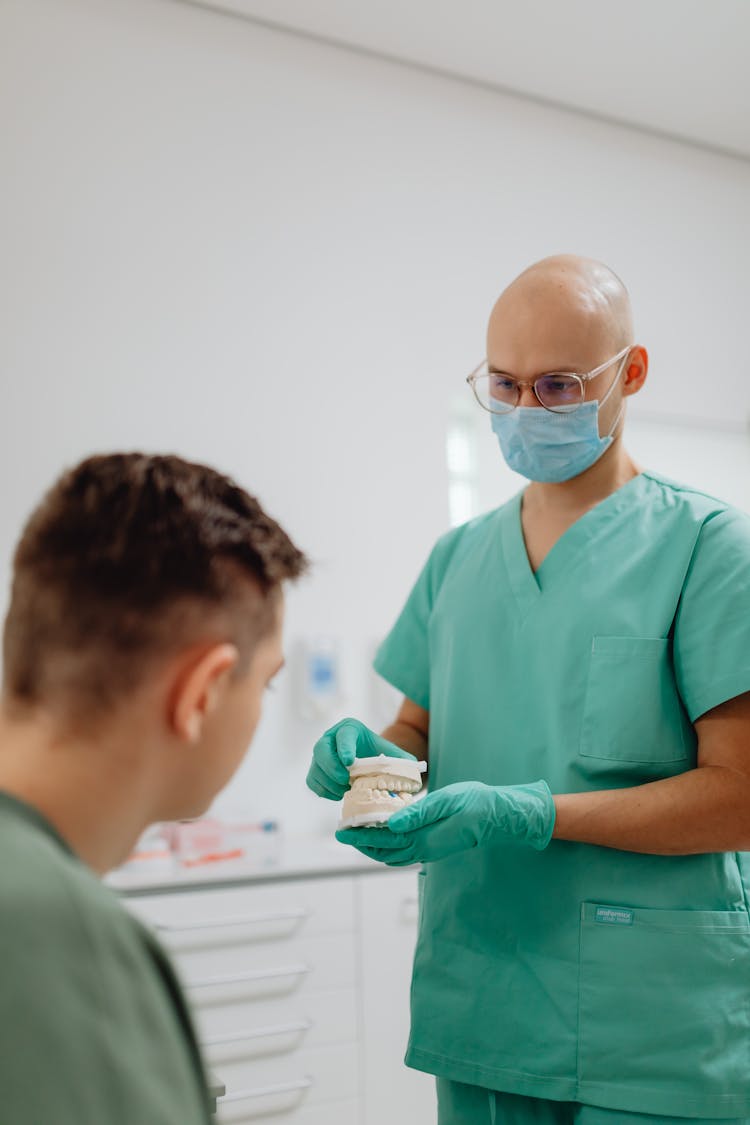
{"x":615,"y":381}
{"x":492,"y":1097}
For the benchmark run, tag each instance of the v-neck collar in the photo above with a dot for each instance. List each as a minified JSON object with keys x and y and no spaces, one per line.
{"x":528,"y":585}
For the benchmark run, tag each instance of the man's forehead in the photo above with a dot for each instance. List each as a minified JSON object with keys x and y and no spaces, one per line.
{"x":555,"y":318}
{"x":545,"y":339}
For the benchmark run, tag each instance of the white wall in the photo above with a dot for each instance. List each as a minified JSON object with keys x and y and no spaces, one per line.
{"x":279,"y":257}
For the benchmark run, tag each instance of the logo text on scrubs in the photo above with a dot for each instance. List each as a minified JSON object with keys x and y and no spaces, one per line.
{"x":614,"y":915}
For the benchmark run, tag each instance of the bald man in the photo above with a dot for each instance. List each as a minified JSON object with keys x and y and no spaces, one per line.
{"x":576,"y":667}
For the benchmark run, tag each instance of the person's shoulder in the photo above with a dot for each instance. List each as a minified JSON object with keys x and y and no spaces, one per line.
{"x":472,"y":532}
{"x":52,"y":897}
{"x":716,"y":528}
{"x":82,"y":980}
{"x":692,"y":501}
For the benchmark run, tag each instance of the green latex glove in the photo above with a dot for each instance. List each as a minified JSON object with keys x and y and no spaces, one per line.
{"x":456,"y":818}
{"x":337,"y":748}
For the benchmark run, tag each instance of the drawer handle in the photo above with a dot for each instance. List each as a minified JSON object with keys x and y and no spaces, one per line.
{"x":264,"y":1091}
{"x":236,"y":920}
{"x":259,"y":1033}
{"x":255,"y":974}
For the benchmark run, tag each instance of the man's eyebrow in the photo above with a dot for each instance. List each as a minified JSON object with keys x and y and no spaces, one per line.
{"x":567,"y":368}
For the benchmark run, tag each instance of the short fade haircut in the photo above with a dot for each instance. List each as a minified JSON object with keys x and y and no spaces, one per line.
{"x":128,"y":558}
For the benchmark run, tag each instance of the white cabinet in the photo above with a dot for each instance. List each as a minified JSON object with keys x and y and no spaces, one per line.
{"x":300,"y":991}
{"x":388,"y":914}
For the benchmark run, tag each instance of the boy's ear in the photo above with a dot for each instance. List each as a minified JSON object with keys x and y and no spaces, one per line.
{"x":198,"y":690}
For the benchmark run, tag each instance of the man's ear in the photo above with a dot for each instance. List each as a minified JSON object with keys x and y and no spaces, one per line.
{"x":198,"y":689}
{"x":636,"y":370}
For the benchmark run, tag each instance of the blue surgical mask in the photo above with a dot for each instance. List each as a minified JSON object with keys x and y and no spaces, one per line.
{"x":553,"y":447}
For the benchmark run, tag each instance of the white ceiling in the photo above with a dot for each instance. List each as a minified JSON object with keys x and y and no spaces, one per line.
{"x":679,"y":67}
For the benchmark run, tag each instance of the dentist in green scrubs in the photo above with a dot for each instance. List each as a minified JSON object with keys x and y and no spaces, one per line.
{"x":576,"y":669}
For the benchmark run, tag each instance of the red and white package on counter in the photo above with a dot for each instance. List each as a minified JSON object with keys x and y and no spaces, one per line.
{"x":205,"y":840}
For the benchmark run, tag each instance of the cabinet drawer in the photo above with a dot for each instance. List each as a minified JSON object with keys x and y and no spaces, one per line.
{"x":279,"y":1027}
{"x":234,"y":1015}
{"x":328,"y":1113}
{"x":324,"y":963}
{"x":325,"y":956}
{"x":195,"y":920}
{"x":265,"y":1087}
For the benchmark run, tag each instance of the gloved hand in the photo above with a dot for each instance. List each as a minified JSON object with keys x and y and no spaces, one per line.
{"x":450,"y":820}
{"x":337,"y":749}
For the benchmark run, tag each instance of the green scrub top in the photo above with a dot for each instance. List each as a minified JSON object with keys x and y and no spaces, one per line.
{"x":583,"y":973}
{"x":94,"y":1027}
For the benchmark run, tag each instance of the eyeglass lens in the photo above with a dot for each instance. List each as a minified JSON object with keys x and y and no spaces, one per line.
{"x":557,"y":391}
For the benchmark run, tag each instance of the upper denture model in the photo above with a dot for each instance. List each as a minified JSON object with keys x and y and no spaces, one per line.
{"x":379,"y":787}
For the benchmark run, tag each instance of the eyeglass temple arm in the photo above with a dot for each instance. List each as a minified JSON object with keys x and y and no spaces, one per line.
{"x":472,"y":375}
{"x":603,"y":366}
{"x":584,"y":377}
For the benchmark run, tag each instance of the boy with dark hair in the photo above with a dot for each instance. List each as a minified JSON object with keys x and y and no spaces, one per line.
{"x":144,"y":626}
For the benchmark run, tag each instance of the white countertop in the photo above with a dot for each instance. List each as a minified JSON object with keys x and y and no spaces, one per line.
{"x":299,"y":857}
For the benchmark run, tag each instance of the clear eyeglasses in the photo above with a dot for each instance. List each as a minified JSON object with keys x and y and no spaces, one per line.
{"x":561,"y":392}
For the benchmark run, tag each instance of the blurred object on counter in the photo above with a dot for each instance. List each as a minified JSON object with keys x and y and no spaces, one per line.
{"x":165,"y":847}
{"x":209,"y":840}
{"x":205,"y":840}
{"x":261,"y":842}
{"x":152,"y":852}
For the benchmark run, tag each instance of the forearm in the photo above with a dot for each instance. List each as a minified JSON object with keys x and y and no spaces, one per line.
{"x":703,"y":810}
{"x":407,"y":738}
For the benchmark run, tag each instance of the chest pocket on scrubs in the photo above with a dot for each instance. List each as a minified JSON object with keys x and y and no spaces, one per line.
{"x":632,"y":710}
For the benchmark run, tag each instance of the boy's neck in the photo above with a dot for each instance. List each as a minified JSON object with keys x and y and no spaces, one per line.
{"x":95,"y":796}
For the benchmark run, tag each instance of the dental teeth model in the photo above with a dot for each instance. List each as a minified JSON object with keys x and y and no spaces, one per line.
{"x":379,"y":787}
